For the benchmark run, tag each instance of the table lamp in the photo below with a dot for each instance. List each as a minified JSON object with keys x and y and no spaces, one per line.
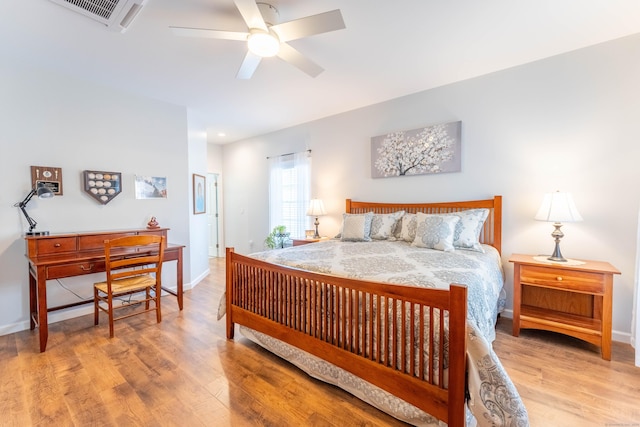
{"x":558,"y":207}
{"x":43,"y":192}
{"x":316,"y":208}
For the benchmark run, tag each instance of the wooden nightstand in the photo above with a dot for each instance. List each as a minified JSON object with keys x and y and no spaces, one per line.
{"x":571,"y":299}
{"x":299,"y":242}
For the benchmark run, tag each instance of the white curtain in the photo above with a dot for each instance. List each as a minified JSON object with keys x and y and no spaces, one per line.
{"x":289,"y":192}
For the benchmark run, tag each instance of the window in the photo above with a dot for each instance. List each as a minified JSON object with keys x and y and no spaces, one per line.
{"x":289,"y":188}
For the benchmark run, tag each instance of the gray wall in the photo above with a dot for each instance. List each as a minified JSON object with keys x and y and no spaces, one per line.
{"x":565,"y":123}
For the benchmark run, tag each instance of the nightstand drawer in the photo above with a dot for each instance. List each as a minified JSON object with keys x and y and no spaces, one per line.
{"x":571,"y":280}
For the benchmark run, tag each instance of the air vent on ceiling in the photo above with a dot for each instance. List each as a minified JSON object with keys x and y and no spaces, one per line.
{"x":115,"y":14}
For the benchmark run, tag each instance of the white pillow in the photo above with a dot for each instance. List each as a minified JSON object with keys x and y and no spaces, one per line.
{"x":407,"y":229}
{"x":467,"y":233}
{"x":383,"y":225}
{"x":356,"y":227}
{"x":435,"y":231}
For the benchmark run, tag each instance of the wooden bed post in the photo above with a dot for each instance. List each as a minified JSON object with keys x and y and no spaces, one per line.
{"x":497,"y":223}
{"x":457,"y":354}
{"x":230,"y":324}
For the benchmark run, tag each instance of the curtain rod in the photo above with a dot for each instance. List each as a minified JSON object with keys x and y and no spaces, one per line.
{"x":288,"y":154}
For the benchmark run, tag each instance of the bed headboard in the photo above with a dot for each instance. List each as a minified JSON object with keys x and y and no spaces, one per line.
{"x":491,"y":233}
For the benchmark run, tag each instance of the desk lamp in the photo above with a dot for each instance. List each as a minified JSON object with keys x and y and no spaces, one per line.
{"x":316,"y":208}
{"x":43,"y":192}
{"x":558,"y":208}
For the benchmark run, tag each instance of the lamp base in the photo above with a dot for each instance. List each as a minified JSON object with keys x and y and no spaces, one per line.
{"x":36,"y":233}
{"x":316,"y":235}
{"x":556,"y":256}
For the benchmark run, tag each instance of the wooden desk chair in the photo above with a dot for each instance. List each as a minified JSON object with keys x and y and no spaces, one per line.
{"x":133,"y":264}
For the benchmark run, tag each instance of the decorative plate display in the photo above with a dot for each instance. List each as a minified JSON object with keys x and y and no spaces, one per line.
{"x":102,"y":186}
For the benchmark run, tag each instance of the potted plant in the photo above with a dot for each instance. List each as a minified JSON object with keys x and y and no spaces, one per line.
{"x":277,"y":237}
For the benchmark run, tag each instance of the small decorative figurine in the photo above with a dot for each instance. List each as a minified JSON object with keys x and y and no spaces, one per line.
{"x":153,"y":223}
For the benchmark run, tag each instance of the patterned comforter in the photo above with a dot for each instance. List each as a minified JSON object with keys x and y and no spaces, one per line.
{"x":399,"y":262}
{"x":494,"y":400}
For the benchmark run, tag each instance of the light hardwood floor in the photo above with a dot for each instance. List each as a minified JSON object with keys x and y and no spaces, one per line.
{"x":183,"y":372}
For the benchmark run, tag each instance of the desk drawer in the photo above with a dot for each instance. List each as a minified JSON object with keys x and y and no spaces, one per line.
{"x":571,"y":280}
{"x":97,"y":241}
{"x":75,"y":269}
{"x":55,"y":246}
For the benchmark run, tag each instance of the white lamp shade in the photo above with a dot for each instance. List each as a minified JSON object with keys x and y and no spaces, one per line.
{"x":316,"y":208}
{"x":558,"y":207}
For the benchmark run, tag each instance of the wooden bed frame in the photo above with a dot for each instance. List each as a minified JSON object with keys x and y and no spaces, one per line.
{"x":328,"y":317}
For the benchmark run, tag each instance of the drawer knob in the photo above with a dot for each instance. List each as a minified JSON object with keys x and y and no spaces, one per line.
{"x":87,"y":269}
{"x":57,"y":245}
{"x":559,"y":278}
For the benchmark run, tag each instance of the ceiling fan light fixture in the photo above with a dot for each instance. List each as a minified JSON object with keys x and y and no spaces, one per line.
{"x":262,"y":43}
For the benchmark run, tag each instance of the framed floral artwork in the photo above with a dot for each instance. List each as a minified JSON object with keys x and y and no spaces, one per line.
{"x":428,"y":150}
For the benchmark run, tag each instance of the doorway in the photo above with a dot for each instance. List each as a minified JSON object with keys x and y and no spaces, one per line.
{"x":213,"y":215}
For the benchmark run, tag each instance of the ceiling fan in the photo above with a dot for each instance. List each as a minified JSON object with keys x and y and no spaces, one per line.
{"x":266,"y":37}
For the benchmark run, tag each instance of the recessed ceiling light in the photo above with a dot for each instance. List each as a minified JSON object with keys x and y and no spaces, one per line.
{"x":222,"y":134}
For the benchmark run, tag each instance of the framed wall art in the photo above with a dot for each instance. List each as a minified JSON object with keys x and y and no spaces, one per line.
{"x":199,"y":194}
{"x":150,"y":187}
{"x":102,"y":185}
{"x":51,"y":177}
{"x":428,"y":150}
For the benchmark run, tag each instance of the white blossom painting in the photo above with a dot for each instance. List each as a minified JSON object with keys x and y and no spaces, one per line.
{"x":432,"y":149}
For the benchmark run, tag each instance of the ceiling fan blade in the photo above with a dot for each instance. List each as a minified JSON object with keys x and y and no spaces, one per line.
{"x":251,"y":14}
{"x":249,"y":65}
{"x":212,"y":34}
{"x":295,"y":58}
{"x":310,"y":25}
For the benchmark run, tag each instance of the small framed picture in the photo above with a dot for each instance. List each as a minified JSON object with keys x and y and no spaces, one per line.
{"x":199,"y":194}
{"x":150,"y":187}
{"x":308,"y":234}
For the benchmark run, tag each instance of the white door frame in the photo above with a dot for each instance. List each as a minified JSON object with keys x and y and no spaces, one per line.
{"x":213,"y":214}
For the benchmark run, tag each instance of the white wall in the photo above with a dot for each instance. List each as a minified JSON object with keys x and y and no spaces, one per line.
{"x":51,"y":120}
{"x":564,"y":123}
{"x":199,"y":238}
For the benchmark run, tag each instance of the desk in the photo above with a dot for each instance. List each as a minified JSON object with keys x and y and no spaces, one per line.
{"x":65,"y":255}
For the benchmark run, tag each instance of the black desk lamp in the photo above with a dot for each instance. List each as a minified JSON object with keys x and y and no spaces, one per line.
{"x":43,"y":192}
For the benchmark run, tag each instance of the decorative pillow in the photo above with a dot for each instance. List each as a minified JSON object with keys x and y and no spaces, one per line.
{"x":435,"y":231}
{"x":468,"y":229}
{"x":356,"y":227}
{"x":383,"y":225}
{"x":407,"y":229}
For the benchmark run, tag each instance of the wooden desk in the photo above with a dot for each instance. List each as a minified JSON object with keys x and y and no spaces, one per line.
{"x":66,"y":255}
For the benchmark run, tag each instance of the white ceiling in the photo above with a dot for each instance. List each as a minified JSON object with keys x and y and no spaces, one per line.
{"x":388,"y":49}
